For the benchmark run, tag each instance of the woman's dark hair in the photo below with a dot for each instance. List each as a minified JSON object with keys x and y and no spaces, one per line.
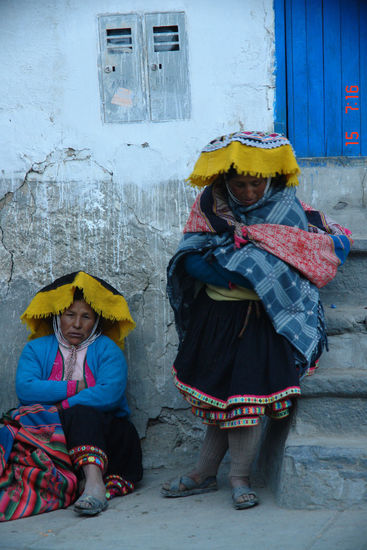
{"x":278,"y":181}
{"x":78,"y":294}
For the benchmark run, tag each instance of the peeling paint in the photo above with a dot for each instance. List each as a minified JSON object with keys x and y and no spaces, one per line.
{"x":6,"y":258}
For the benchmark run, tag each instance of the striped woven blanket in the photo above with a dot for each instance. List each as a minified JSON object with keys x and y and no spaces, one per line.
{"x":270,"y":245}
{"x":35,"y":470}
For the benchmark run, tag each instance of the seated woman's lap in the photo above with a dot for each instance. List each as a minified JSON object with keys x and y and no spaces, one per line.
{"x":89,"y":430}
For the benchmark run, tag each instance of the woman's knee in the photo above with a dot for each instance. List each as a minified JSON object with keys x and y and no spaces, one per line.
{"x":81,"y":413}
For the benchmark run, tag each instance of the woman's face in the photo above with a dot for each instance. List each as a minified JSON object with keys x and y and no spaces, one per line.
{"x":247,"y":189}
{"x":77,"y":321}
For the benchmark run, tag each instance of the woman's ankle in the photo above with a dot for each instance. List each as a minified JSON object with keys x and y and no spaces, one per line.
{"x":199,"y":476}
{"x":239,"y":481}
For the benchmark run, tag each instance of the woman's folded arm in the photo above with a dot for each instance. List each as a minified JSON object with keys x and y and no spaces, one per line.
{"x":212,"y":273}
{"x":31,"y":387}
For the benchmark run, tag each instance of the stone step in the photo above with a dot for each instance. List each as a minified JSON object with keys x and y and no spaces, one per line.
{"x":344,"y":317}
{"x":359,"y":246}
{"x":331,"y":415}
{"x":346,"y":351}
{"x":328,"y":472}
{"x":332,"y":402}
{"x":318,"y":459}
{"x":350,"y":281}
{"x":342,"y":382}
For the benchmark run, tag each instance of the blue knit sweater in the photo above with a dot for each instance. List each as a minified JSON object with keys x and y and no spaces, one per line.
{"x":105,"y":360}
{"x":199,"y":268}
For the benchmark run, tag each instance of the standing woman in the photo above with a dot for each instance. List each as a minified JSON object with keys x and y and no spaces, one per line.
{"x":243,"y":285}
{"x":71,"y":433}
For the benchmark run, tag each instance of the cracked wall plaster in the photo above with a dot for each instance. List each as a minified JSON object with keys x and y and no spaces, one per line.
{"x":6,"y":260}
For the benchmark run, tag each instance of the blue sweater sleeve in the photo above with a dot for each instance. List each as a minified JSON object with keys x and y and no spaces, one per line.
{"x":200,"y":269}
{"x":212,"y":273}
{"x":110,"y":370}
{"x":31,"y":381}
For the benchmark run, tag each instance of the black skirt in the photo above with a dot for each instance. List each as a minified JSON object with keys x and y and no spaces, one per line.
{"x":232,"y":366}
{"x":110,"y":442}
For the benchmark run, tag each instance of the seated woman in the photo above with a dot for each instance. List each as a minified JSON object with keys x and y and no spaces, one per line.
{"x":71,"y":431}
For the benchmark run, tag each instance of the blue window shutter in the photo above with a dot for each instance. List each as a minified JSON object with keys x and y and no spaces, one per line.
{"x":333,"y":79}
{"x":363,"y":76}
{"x":315,"y":78}
{"x":349,"y":16}
{"x":321,"y":49}
{"x":280,"y":124}
{"x":297,"y":75}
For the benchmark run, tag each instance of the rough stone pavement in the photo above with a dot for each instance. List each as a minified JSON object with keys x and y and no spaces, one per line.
{"x":145,"y":520}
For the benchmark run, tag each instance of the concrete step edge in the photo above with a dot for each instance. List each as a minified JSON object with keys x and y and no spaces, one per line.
{"x":359,"y":245}
{"x":346,"y":317}
{"x":335,"y":383}
{"x":342,"y":442}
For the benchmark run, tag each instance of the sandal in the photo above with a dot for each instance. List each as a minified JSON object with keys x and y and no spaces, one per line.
{"x":191,"y":487}
{"x":238,"y":492}
{"x":87,"y":505}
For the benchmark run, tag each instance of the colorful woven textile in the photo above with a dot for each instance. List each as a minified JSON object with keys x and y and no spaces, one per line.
{"x":88,"y":454}
{"x":318,"y":222}
{"x":117,"y":486}
{"x":260,"y":154}
{"x":271,"y":248}
{"x":35,"y":469}
{"x":316,"y":256}
{"x":58,"y":296}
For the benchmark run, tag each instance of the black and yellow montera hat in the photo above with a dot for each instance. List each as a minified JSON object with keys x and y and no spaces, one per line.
{"x":105,"y":300}
{"x":259,"y":154}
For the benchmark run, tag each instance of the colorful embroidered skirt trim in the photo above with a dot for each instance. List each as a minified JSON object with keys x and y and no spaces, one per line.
{"x":230,"y":416}
{"x":88,"y":454}
{"x":117,"y":486}
{"x":194,"y":396}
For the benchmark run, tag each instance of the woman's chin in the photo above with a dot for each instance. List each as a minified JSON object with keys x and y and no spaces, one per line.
{"x":74,"y":340}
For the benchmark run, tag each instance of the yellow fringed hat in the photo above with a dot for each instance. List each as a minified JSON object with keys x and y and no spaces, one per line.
{"x":259,"y":154}
{"x":105,"y":300}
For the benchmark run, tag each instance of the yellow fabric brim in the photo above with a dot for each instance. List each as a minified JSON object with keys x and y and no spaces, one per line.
{"x":246,"y":160}
{"x":112,"y":307}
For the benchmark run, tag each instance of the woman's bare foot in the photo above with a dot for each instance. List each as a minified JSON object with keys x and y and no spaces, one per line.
{"x":93,"y":483}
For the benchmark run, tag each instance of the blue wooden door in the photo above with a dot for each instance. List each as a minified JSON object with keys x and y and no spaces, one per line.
{"x":321,"y":66}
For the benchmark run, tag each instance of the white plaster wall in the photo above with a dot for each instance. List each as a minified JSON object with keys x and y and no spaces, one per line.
{"x":50,"y":99}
